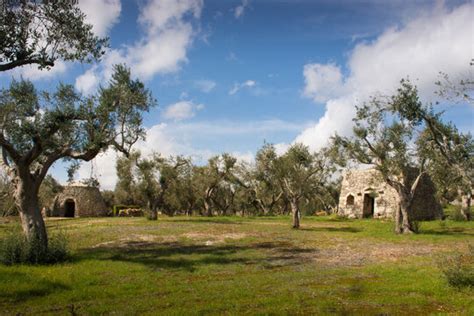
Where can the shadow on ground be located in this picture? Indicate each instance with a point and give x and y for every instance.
(221, 220)
(36, 287)
(333, 229)
(452, 231)
(175, 255)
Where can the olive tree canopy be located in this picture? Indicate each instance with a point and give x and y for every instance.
(41, 32)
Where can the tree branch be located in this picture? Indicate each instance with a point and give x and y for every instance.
(8, 147)
(18, 63)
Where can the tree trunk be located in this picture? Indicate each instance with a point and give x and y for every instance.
(153, 214)
(295, 211)
(398, 220)
(26, 199)
(406, 224)
(466, 206)
(207, 207)
(153, 210)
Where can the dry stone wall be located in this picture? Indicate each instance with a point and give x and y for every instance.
(365, 194)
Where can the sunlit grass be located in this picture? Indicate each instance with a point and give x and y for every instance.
(198, 265)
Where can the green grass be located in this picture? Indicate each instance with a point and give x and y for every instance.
(236, 265)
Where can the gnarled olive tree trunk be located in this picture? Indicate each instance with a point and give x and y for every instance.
(295, 212)
(26, 199)
(208, 201)
(466, 200)
(403, 215)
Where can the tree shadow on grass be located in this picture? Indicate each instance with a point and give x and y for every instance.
(25, 286)
(175, 255)
(205, 220)
(451, 231)
(333, 229)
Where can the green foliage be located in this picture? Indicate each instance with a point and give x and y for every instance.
(16, 249)
(458, 268)
(41, 32)
(125, 188)
(387, 135)
(109, 198)
(7, 202)
(456, 214)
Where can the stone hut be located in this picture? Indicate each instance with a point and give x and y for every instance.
(364, 194)
(79, 200)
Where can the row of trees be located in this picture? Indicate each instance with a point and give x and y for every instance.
(295, 181)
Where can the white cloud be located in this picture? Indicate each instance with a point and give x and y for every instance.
(245, 157)
(102, 14)
(205, 85)
(181, 110)
(87, 82)
(168, 32)
(435, 41)
(32, 72)
(322, 82)
(245, 84)
(240, 9)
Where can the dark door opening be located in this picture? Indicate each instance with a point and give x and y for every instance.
(69, 208)
(369, 204)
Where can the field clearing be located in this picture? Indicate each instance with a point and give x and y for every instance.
(233, 265)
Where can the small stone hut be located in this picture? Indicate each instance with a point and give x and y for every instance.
(364, 194)
(79, 200)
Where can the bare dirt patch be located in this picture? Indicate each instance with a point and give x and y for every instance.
(212, 239)
(125, 242)
(345, 253)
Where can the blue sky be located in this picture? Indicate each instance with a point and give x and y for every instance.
(229, 75)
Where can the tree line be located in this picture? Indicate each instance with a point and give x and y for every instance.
(298, 181)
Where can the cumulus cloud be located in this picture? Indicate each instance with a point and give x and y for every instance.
(322, 82)
(240, 9)
(168, 32)
(205, 85)
(245, 84)
(31, 72)
(102, 14)
(87, 82)
(181, 110)
(432, 42)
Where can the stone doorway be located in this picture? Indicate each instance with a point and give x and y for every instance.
(69, 208)
(369, 205)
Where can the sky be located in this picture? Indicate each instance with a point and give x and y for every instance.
(230, 75)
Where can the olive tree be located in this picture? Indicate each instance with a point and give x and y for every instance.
(264, 182)
(41, 32)
(302, 174)
(452, 156)
(38, 129)
(212, 179)
(387, 138)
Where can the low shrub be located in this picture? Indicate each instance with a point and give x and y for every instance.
(459, 268)
(456, 214)
(16, 249)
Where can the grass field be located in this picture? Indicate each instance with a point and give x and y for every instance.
(237, 265)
